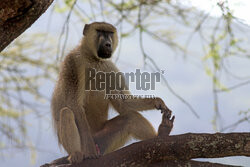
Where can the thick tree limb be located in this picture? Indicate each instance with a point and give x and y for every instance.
(187, 163)
(167, 163)
(172, 150)
(17, 16)
(178, 147)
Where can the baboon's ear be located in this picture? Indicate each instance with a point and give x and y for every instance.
(85, 29)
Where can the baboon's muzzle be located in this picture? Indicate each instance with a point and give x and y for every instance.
(105, 49)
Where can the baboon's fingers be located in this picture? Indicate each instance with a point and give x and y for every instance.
(92, 156)
(75, 157)
(166, 113)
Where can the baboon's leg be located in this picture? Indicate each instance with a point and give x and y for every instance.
(141, 127)
(69, 136)
(118, 130)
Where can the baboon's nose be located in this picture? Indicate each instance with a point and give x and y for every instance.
(108, 44)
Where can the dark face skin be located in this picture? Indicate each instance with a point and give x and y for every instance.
(104, 49)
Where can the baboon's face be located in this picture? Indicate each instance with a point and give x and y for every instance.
(101, 38)
(104, 43)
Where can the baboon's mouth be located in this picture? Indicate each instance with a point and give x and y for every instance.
(104, 55)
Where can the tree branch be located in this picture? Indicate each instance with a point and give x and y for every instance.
(187, 163)
(17, 16)
(176, 149)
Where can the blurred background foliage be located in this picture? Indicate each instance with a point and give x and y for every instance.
(23, 70)
(33, 58)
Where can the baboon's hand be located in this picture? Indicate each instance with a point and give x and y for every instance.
(160, 105)
(75, 157)
(78, 157)
(94, 156)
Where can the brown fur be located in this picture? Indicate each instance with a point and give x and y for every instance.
(81, 117)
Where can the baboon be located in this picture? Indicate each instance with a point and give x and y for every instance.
(81, 117)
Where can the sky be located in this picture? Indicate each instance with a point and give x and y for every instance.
(187, 79)
(240, 8)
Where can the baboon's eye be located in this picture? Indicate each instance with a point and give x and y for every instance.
(99, 31)
(104, 32)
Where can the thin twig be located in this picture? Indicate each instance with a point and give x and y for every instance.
(65, 26)
(234, 87)
(165, 81)
(234, 125)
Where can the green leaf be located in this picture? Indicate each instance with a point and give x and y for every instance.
(124, 35)
(61, 9)
(208, 72)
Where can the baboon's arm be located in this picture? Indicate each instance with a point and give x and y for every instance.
(139, 104)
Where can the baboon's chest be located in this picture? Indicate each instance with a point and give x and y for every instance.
(96, 100)
(96, 109)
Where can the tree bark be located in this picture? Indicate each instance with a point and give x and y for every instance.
(17, 16)
(187, 163)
